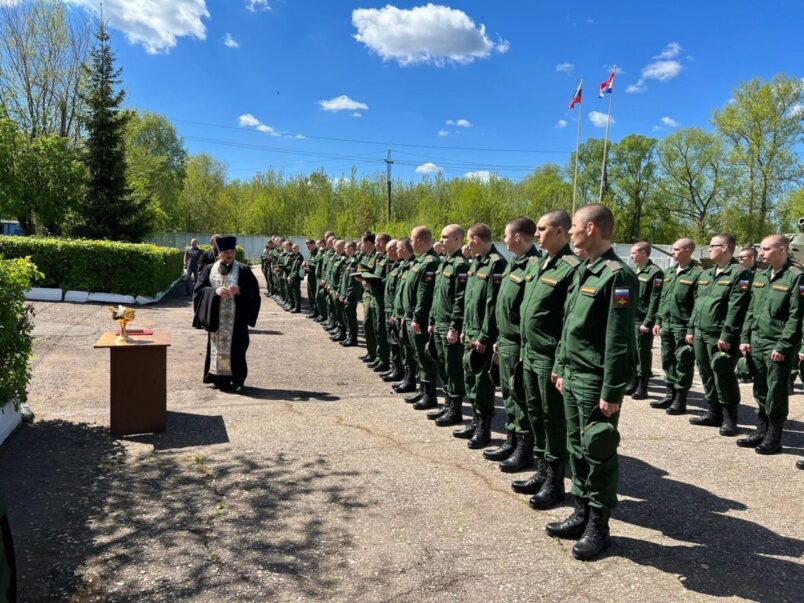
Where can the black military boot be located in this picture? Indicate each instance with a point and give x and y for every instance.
(503, 451)
(416, 394)
(408, 383)
(339, 335)
(467, 431)
(429, 396)
(482, 435)
(440, 411)
(395, 374)
(641, 392)
(522, 456)
(574, 525)
(712, 418)
(800, 464)
(772, 442)
(454, 414)
(755, 439)
(669, 396)
(381, 367)
(631, 386)
(552, 491)
(729, 426)
(534, 483)
(679, 405)
(351, 342)
(595, 537)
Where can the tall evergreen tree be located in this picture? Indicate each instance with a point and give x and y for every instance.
(110, 211)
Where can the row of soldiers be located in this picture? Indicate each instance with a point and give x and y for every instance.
(283, 268)
(565, 336)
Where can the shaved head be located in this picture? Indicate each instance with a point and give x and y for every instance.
(599, 215)
(421, 233)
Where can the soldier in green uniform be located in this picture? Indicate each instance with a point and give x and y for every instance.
(322, 296)
(308, 267)
(349, 293)
(516, 452)
(406, 261)
(417, 302)
(338, 331)
(542, 310)
(651, 279)
(396, 369)
(480, 332)
(672, 319)
(446, 324)
(724, 292)
(772, 335)
(376, 287)
(366, 263)
(596, 360)
(281, 273)
(265, 265)
(295, 275)
(747, 257)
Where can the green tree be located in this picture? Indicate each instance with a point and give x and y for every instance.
(590, 156)
(199, 200)
(633, 177)
(110, 210)
(763, 125)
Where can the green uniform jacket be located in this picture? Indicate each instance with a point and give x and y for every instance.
(403, 274)
(350, 288)
(450, 285)
(721, 302)
(335, 271)
(480, 298)
(294, 266)
(512, 290)
(418, 298)
(598, 336)
(542, 310)
(651, 280)
(380, 269)
(390, 269)
(776, 309)
(678, 295)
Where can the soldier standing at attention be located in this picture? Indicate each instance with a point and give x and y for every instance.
(295, 273)
(309, 270)
(516, 453)
(745, 364)
(349, 293)
(724, 292)
(446, 325)
(396, 370)
(675, 309)
(406, 260)
(772, 335)
(366, 260)
(595, 362)
(480, 332)
(376, 285)
(338, 332)
(651, 279)
(546, 285)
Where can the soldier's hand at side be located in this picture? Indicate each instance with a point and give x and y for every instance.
(495, 348)
(745, 348)
(416, 328)
(608, 409)
(688, 339)
(644, 330)
(480, 347)
(723, 346)
(452, 336)
(463, 339)
(430, 329)
(776, 356)
(559, 381)
(800, 357)
(657, 330)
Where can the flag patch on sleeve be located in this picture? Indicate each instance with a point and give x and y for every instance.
(801, 290)
(622, 297)
(658, 282)
(745, 285)
(462, 276)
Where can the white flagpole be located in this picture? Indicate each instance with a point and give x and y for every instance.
(577, 144)
(606, 142)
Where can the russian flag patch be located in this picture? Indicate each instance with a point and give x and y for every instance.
(745, 285)
(801, 290)
(658, 282)
(622, 297)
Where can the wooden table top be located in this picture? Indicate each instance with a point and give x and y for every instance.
(158, 339)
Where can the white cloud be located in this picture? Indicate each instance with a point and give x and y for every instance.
(481, 176)
(567, 68)
(461, 123)
(428, 168)
(443, 133)
(598, 119)
(618, 70)
(155, 25)
(797, 110)
(247, 120)
(590, 21)
(229, 41)
(257, 5)
(635, 88)
(669, 122)
(670, 51)
(657, 128)
(299, 137)
(342, 103)
(357, 114)
(561, 123)
(425, 34)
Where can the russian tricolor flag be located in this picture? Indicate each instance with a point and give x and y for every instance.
(576, 98)
(608, 86)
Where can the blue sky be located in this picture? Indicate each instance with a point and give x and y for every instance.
(461, 87)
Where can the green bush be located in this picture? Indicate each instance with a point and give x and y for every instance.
(97, 266)
(16, 327)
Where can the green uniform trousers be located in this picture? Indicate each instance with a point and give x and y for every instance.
(508, 352)
(450, 362)
(479, 388)
(406, 350)
(312, 287)
(381, 331)
(350, 318)
(676, 374)
(394, 347)
(718, 387)
(370, 324)
(770, 381)
(426, 369)
(294, 292)
(644, 351)
(321, 302)
(592, 479)
(544, 407)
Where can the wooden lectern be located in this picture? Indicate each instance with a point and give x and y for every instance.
(138, 383)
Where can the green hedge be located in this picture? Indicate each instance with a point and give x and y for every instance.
(16, 327)
(97, 266)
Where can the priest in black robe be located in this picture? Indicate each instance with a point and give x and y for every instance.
(226, 301)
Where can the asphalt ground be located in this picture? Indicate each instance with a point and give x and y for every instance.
(319, 484)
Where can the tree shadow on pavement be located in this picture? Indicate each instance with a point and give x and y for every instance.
(184, 430)
(717, 554)
(92, 525)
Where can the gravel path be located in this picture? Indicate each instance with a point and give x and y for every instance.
(320, 485)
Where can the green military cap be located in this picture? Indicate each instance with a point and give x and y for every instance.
(721, 363)
(494, 369)
(479, 362)
(430, 348)
(599, 438)
(685, 355)
(517, 382)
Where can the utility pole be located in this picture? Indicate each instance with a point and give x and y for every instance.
(388, 163)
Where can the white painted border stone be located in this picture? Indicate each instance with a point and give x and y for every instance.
(144, 300)
(10, 419)
(43, 294)
(111, 298)
(76, 297)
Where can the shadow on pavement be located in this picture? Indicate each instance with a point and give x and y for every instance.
(288, 395)
(717, 554)
(184, 430)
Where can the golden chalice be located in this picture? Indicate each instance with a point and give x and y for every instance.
(122, 316)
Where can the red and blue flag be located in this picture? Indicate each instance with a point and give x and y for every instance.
(576, 98)
(607, 87)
